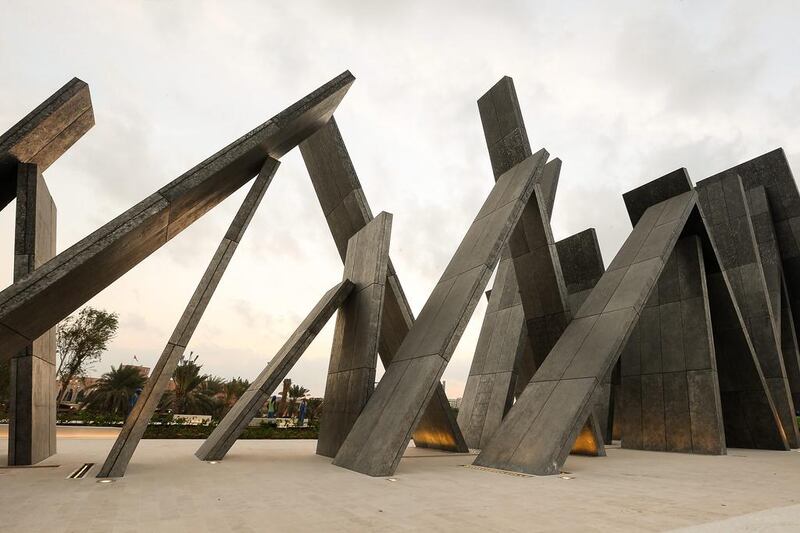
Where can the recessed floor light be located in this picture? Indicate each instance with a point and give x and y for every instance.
(212, 462)
(106, 480)
(391, 479)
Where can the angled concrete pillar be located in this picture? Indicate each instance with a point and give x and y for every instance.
(382, 432)
(346, 210)
(529, 309)
(32, 414)
(723, 200)
(490, 387)
(535, 258)
(135, 425)
(789, 345)
(225, 434)
(670, 387)
(45, 134)
(34, 304)
(582, 266)
(351, 373)
(777, 292)
(540, 429)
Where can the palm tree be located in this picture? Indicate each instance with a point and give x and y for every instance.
(190, 397)
(295, 393)
(314, 408)
(112, 392)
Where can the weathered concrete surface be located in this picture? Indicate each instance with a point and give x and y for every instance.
(772, 171)
(625, 491)
(670, 387)
(767, 243)
(135, 425)
(536, 266)
(490, 387)
(538, 432)
(225, 434)
(32, 411)
(351, 373)
(725, 206)
(346, 210)
(45, 134)
(382, 432)
(582, 265)
(36, 303)
(529, 310)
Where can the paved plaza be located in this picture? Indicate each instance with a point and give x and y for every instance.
(282, 485)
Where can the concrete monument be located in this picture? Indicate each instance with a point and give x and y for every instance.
(136, 423)
(380, 435)
(351, 373)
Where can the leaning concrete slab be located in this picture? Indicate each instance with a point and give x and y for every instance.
(724, 202)
(536, 266)
(346, 210)
(489, 392)
(225, 434)
(351, 373)
(529, 310)
(37, 302)
(670, 386)
(582, 265)
(32, 413)
(135, 425)
(539, 430)
(789, 344)
(769, 252)
(382, 432)
(45, 134)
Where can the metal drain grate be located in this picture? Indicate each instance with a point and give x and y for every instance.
(81, 472)
(497, 471)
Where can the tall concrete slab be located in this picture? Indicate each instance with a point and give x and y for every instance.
(34, 304)
(346, 211)
(535, 258)
(789, 345)
(135, 425)
(45, 134)
(529, 310)
(777, 292)
(351, 372)
(772, 171)
(489, 391)
(540, 429)
(582, 265)
(724, 202)
(32, 413)
(669, 373)
(382, 432)
(225, 434)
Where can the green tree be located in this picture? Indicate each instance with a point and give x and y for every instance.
(112, 392)
(81, 341)
(190, 397)
(295, 393)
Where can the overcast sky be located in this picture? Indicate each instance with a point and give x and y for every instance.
(622, 92)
